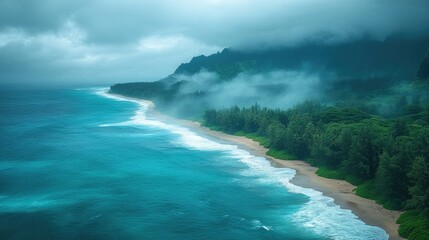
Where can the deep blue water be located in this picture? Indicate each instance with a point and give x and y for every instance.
(76, 164)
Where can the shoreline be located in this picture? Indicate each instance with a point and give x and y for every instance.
(341, 191)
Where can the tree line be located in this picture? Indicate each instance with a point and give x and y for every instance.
(388, 159)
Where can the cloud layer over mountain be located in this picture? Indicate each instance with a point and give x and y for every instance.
(103, 42)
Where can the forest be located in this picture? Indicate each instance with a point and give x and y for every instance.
(366, 121)
(387, 159)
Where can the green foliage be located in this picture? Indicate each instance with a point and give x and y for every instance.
(419, 176)
(145, 90)
(297, 136)
(385, 182)
(215, 128)
(399, 128)
(241, 133)
(413, 225)
(368, 189)
(344, 115)
(386, 159)
(280, 154)
(263, 141)
(276, 135)
(354, 180)
(330, 173)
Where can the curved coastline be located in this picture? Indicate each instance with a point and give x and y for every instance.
(341, 191)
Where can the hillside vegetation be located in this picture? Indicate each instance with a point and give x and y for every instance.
(387, 159)
(367, 74)
(367, 121)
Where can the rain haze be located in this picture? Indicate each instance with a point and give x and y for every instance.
(88, 43)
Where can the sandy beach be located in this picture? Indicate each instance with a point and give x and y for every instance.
(341, 191)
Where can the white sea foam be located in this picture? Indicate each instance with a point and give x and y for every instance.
(320, 214)
(256, 224)
(27, 204)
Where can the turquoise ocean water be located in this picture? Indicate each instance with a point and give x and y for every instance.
(80, 164)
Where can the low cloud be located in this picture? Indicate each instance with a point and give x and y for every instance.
(102, 42)
(280, 89)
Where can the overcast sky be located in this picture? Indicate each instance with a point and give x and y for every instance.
(86, 42)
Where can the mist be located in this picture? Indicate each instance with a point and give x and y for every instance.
(274, 89)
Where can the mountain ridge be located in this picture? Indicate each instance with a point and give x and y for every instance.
(394, 58)
(367, 74)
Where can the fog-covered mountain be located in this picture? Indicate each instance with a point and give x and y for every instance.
(348, 73)
(394, 58)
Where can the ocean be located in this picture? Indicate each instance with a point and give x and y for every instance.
(82, 164)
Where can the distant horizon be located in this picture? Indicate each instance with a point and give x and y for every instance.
(67, 43)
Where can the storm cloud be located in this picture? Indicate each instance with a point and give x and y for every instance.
(105, 42)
